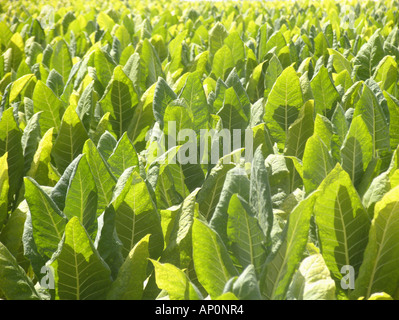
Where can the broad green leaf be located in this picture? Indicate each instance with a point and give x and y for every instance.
(144, 67)
(223, 63)
(211, 260)
(120, 99)
(312, 281)
(209, 194)
(298, 133)
(276, 41)
(48, 221)
(79, 271)
(132, 274)
(86, 106)
(283, 105)
(379, 271)
(30, 140)
(104, 179)
(343, 79)
(61, 59)
(123, 156)
(163, 95)
(278, 273)
(44, 99)
(260, 199)
(195, 97)
(216, 38)
(55, 82)
(236, 45)
(143, 117)
(81, 199)
(10, 142)
(374, 117)
(245, 286)
(340, 63)
(321, 45)
(385, 73)
(369, 55)
(247, 240)
(324, 92)
(317, 163)
(236, 181)
(106, 145)
(4, 186)
(167, 179)
(104, 66)
(70, 140)
(357, 150)
(273, 71)
(135, 214)
(342, 223)
(19, 85)
(393, 106)
(107, 243)
(176, 52)
(233, 80)
(12, 234)
(231, 113)
(105, 22)
(179, 289)
(14, 283)
(41, 169)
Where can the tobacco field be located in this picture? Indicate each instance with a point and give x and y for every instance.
(92, 205)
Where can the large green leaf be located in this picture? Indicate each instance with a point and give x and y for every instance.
(61, 59)
(247, 240)
(123, 156)
(132, 274)
(260, 199)
(30, 140)
(211, 260)
(298, 134)
(144, 67)
(104, 179)
(393, 105)
(283, 105)
(48, 222)
(278, 272)
(136, 214)
(163, 95)
(379, 270)
(179, 289)
(223, 63)
(120, 99)
(79, 271)
(70, 140)
(41, 168)
(342, 223)
(375, 119)
(81, 199)
(14, 283)
(357, 150)
(317, 163)
(4, 186)
(369, 55)
(44, 99)
(195, 97)
(324, 92)
(312, 281)
(216, 38)
(211, 189)
(10, 143)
